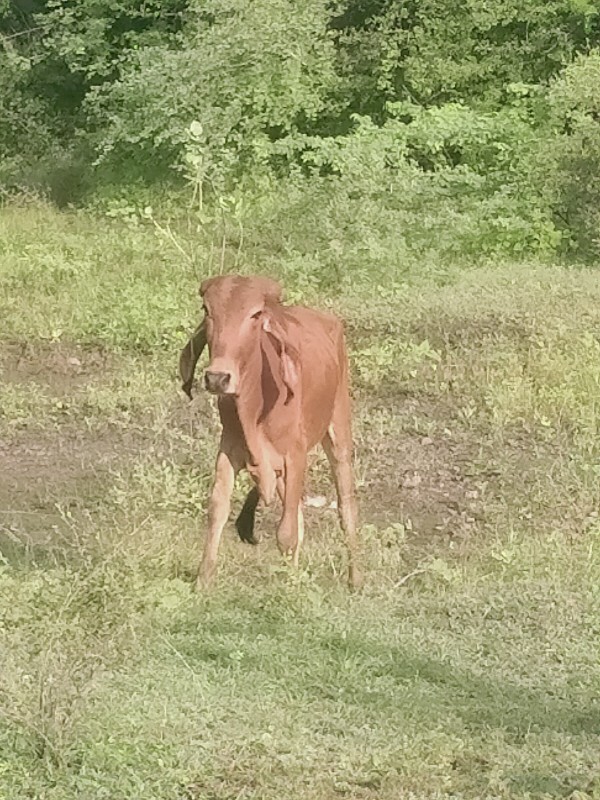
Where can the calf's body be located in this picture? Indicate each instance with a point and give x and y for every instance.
(281, 376)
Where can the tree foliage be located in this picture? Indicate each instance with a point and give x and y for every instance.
(439, 51)
(573, 180)
(480, 114)
(244, 71)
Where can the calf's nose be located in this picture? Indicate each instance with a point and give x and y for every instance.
(217, 382)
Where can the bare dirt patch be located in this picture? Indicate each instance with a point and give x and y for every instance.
(62, 469)
(48, 477)
(422, 476)
(449, 483)
(58, 367)
(443, 482)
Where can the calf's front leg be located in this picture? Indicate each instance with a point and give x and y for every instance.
(300, 536)
(219, 507)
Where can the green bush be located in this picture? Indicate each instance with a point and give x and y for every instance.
(24, 126)
(573, 154)
(440, 185)
(397, 131)
(243, 73)
(439, 51)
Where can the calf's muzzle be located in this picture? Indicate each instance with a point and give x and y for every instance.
(217, 382)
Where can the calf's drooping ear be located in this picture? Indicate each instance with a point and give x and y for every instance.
(189, 358)
(286, 354)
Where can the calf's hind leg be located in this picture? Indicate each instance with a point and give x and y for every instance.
(219, 507)
(337, 444)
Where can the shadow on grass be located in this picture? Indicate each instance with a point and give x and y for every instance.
(290, 649)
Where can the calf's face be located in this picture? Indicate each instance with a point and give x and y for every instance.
(235, 311)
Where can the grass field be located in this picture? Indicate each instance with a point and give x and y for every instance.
(468, 667)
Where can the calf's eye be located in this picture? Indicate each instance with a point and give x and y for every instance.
(257, 314)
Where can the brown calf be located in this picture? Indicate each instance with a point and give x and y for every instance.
(281, 377)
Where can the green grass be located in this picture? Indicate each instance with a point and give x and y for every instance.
(468, 667)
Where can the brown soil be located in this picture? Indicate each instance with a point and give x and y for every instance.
(58, 368)
(442, 487)
(46, 474)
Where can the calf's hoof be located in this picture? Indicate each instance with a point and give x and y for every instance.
(287, 542)
(205, 579)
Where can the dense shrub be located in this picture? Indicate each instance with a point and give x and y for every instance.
(441, 184)
(25, 126)
(438, 51)
(244, 71)
(573, 175)
(394, 129)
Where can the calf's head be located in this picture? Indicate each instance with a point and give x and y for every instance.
(242, 319)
